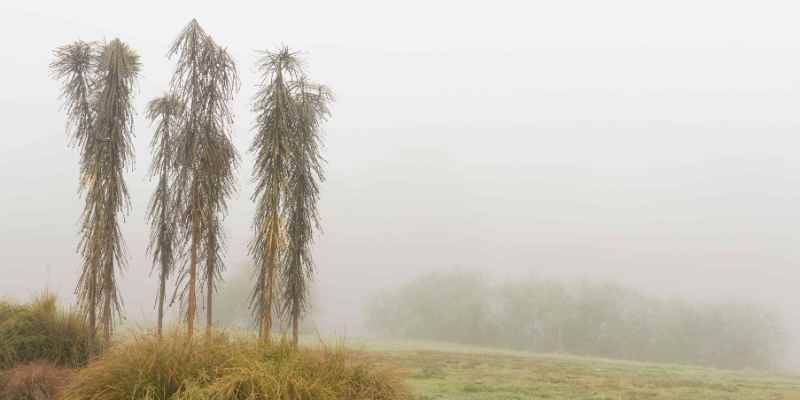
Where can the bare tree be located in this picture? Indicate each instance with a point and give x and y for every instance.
(165, 111)
(98, 82)
(205, 81)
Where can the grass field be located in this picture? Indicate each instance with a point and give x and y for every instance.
(444, 371)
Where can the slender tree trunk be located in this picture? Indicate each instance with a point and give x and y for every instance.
(209, 298)
(107, 317)
(211, 270)
(192, 295)
(162, 277)
(295, 327)
(161, 293)
(269, 283)
(267, 318)
(92, 318)
(263, 324)
(107, 322)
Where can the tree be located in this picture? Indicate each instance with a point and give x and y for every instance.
(274, 106)
(302, 195)
(287, 172)
(165, 111)
(98, 81)
(75, 66)
(205, 81)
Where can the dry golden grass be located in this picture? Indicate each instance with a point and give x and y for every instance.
(33, 381)
(229, 367)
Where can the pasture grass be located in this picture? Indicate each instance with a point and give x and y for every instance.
(444, 371)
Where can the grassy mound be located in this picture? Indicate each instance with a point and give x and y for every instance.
(225, 367)
(39, 331)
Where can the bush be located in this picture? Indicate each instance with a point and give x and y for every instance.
(33, 381)
(39, 331)
(226, 367)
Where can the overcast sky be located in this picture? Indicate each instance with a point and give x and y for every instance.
(652, 143)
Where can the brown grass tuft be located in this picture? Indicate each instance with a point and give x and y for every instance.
(224, 367)
(34, 381)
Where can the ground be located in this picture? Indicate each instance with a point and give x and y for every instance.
(445, 372)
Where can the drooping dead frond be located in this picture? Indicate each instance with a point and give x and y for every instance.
(75, 66)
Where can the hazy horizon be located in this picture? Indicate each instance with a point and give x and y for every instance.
(643, 143)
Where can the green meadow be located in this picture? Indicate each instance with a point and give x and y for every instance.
(450, 372)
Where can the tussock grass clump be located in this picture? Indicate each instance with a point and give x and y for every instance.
(225, 367)
(33, 381)
(39, 331)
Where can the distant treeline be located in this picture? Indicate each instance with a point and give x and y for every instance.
(585, 318)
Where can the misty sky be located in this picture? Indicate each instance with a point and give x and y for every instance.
(650, 143)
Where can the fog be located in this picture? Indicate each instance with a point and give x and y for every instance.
(652, 144)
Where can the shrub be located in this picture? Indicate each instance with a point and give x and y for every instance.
(40, 331)
(33, 381)
(226, 367)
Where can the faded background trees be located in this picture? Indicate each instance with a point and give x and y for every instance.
(579, 317)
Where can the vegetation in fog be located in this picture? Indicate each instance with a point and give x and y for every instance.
(225, 367)
(231, 305)
(302, 216)
(98, 82)
(39, 331)
(288, 170)
(164, 112)
(204, 82)
(439, 370)
(579, 318)
(271, 144)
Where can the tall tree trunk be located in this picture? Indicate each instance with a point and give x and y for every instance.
(108, 272)
(211, 270)
(163, 227)
(269, 282)
(263, 323)
(92, 317)
(107, 322)
(192, 295)
(209, 296)
(267, 318)
(161, 293)
(295, 327)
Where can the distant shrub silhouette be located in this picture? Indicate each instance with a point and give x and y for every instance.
(587, 318)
